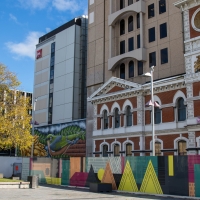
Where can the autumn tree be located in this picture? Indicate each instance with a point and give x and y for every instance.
(14, 112)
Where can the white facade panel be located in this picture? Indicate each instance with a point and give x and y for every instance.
(70, 35)
(68, 111)
(59, 83)
(78, 33)
(60, 55)
(61, 39)
(69, 66)
(59, 69)
(59, 98)
(70, 51)
(69, 80)
(68, 95)
(58, 113)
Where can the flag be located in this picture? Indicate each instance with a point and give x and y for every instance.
(149, 103)
(36, 123)
(198, 120)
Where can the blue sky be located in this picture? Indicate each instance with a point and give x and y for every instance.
(22, 23)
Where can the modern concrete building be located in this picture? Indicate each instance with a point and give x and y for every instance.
(126, 38)
(60, 73)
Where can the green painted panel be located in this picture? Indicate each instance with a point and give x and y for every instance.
(39, 173)
(197, 180)
(86, 165)
(65, 172)
(139, 166)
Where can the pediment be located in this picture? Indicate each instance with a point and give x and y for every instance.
(114, 85)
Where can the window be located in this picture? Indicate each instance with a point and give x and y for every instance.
(140, 67)
(182, 145)
(152, 59)
(116, 150)
(121, 4)
(122, 27)
(122, 71)
(52, 73)
(152, 35)
(52, 60)
(138, 20)
(117, 118)
(151, 11)
(105, 150)
(138, 41)
(163, 30)
(164, 55)
(130, 44)
(157, 115)
(128, 149)
(181, 110)
(53, 47)
(105, 119)
(162, 6)
(130, 24)
(131, 69)
(122, 47)
(158, 149)
(130, 2)
(128, 116)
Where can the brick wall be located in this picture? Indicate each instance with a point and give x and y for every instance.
(196, 89)
(147, 117)
(115, 89)
(134, 118)
(168, 114)
(98, 123)
(197, 108)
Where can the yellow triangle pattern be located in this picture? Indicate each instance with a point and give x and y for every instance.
(128, 182)
(150, 183)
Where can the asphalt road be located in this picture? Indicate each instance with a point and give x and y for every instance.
(64, 193)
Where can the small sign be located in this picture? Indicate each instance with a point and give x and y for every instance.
(198, 120)
(39, 54)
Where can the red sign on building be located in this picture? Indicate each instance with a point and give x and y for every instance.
(39, 54)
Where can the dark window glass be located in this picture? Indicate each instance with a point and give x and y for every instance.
(128, 149)
(138, 41)
(163, 30)
(116, 150)
(117, 118)
(182, 145)
(105, 150)
(53, 47)
(128, 116)
(181, 110)
(157, 115)
(152, 35)
(152, 59)
(122, 27)
(151, 11)
(130, 24)
(122, 47)
(130, 2)
(105, 119)
(158, 149)
(52, 73)
(122, 71)
(131, 69)
(130, 44)
(140, 67)
(138, 20)
(121, 4)
(52, 60)
(164, 55)
(162, 6)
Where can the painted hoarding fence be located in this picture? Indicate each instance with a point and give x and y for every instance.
(174, 175)
(59, 140)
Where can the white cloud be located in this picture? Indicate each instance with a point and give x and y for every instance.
(12, 17)
(25, 48)
(48, 29)
(63, 5)
(34, 4)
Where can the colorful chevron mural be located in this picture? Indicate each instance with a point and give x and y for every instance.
(174, 175)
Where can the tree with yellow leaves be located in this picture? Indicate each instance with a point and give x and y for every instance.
(14, 113)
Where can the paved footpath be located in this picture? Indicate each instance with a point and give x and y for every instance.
(65, 193)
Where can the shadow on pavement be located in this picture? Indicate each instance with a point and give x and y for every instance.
(144, 196)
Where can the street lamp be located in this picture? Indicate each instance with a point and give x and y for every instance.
(151, 103)
(33, 123)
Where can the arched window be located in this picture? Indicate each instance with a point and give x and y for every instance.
(122, 71)
(116, 150)
(181, 110)
(128, 116)
(130, 24)
(131, 69)
(182, 145)
(157, 115)
(117, 118)
(158, 149)
(121, 4)
(105, 150)
(128, 149)
(105, 119)
(122, 27)
(130, 2)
